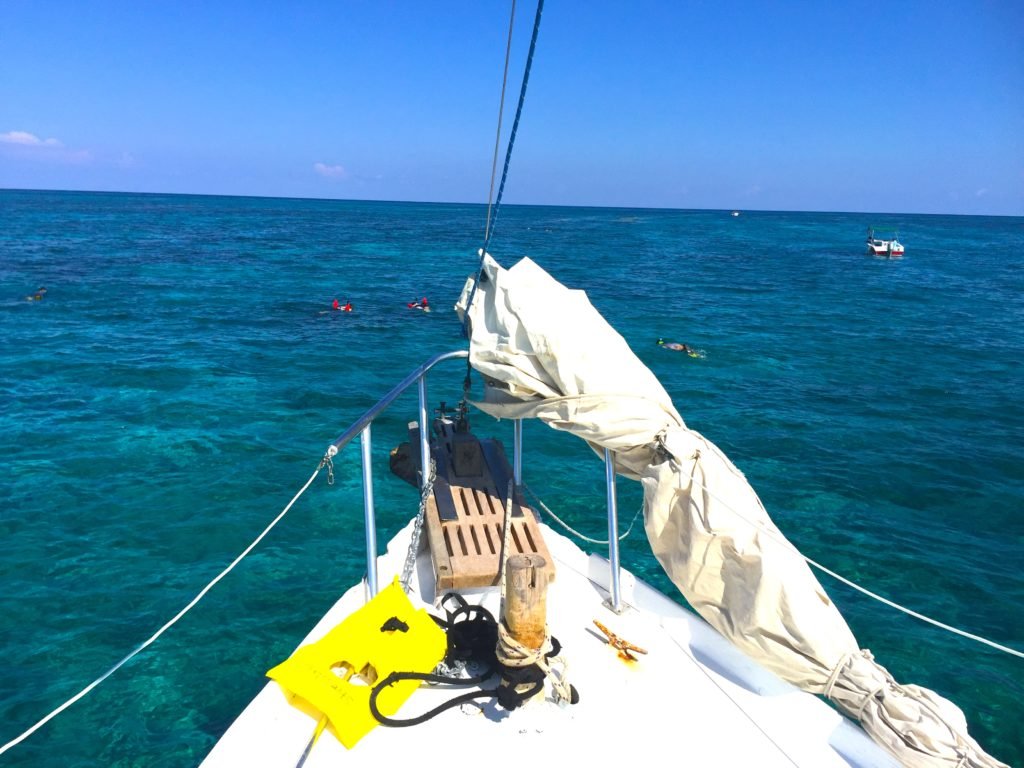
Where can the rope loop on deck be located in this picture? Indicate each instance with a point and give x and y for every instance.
(546, 659)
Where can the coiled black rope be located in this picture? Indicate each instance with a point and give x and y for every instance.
(472, 637)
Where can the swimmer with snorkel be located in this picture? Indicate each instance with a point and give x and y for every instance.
(673, 345)
(677, 347)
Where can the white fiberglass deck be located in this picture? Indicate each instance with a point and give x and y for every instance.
(692, 700)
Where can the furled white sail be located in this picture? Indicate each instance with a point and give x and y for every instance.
(545, 352)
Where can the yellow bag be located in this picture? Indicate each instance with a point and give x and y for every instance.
(335, 675)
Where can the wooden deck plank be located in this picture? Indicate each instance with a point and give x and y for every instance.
(466, 550)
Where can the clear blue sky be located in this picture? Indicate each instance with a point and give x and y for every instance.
(910, 106)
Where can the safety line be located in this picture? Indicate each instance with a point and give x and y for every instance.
(573, 531)
(788, 546)
(165, 627)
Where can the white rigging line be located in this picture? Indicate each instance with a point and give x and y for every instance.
(915, 614)
(165, 627)
(573, 531)
(501, 111)
(788, 546)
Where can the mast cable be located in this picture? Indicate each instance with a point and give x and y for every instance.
(493, 217)
(501, 111)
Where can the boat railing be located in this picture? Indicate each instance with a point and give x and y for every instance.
(361, 427)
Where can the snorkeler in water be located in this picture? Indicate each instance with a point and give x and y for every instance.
(38, 295)
(673, 345)
(678, 347)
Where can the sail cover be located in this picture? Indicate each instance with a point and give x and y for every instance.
(545, 352)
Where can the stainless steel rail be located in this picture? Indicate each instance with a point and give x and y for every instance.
(413, 378)
(361, 427)
(615, 600)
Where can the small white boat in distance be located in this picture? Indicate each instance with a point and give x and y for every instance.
(735, 213)
(880, 245)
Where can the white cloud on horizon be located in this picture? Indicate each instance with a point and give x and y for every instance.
(330, 171)
(22, 145)
(26, 139)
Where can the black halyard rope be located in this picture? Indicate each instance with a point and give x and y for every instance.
(515, 124)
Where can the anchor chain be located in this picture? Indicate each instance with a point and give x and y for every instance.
(417, 529)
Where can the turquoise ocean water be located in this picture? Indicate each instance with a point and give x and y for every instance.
(181, 379)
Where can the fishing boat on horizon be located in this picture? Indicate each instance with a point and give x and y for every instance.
(884, 243)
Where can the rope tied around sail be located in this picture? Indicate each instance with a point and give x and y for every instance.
(834, 675)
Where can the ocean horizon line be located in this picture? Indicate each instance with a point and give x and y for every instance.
(661, 209)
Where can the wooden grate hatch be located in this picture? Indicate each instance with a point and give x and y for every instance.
(465, 515)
